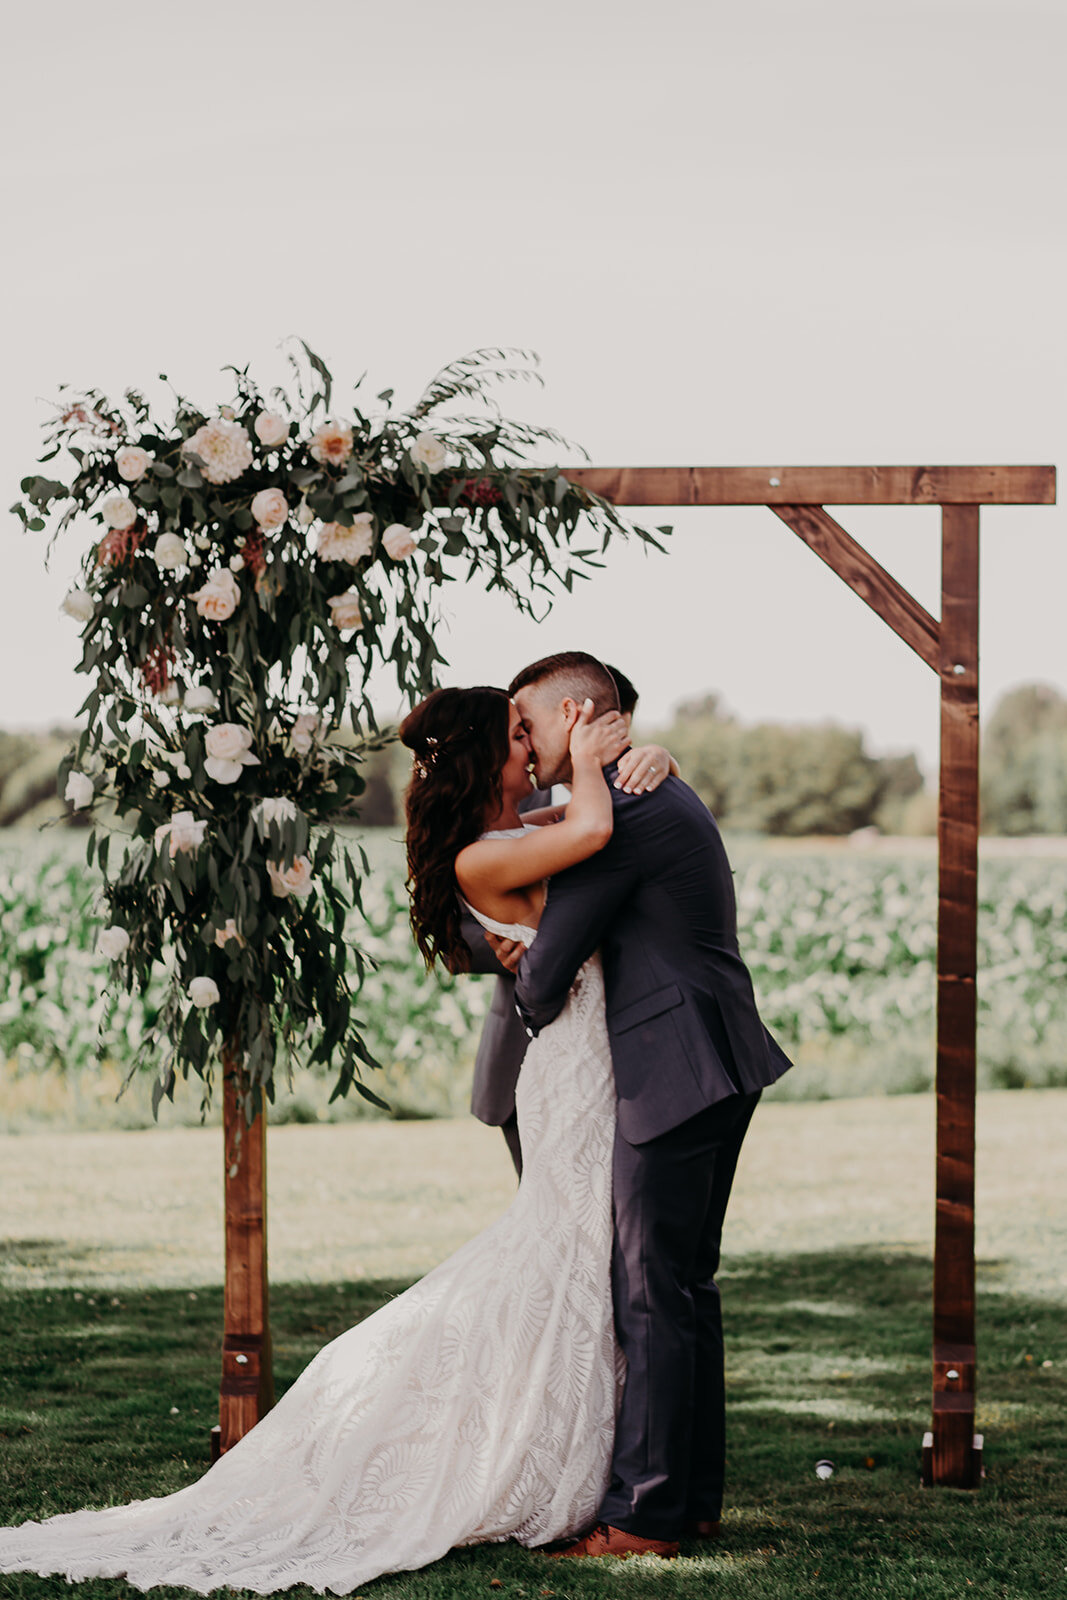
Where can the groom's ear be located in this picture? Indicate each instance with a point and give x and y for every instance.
(569, 709)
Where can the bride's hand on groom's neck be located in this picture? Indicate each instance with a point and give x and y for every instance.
(598, 740)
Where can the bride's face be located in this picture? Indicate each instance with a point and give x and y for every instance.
(515, 778)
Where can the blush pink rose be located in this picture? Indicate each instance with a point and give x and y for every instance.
(218, 598)
(132, 463)
(271, 430)
(294, 880)
(398, 541)
(270, 508)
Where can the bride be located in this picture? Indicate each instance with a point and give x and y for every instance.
(480, 1404)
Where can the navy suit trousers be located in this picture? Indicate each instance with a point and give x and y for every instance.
(670, 1440)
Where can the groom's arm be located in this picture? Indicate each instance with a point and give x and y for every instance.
(483, 958)
(580, 905)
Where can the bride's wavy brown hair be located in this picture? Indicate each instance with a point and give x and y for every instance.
(459, 739)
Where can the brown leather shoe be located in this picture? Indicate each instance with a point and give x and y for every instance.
(702, 1530)
(604, 1540)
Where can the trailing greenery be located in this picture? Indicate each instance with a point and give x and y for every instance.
(255, 567)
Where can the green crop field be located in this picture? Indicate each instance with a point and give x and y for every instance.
(840, 941)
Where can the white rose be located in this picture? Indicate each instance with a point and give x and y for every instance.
(202, 541)
(79, 790)
(340, 543)
(224, 934)
(113, 942)
(119, 512)
(132, 463)
(220, 771)
(398, 541)
(200, 698)
(344, 610)
(218, 598)
(332, 443)
(278, 809)
(170, 551)
(295, 880)
(160, 777)
(305, 731)
(271, 429)
(228, 752)
(230, 741)
(428, 452)
(183, 831)
(270, 508)
(169, 696)
(304, 514)
(236, 563)
(79, 604)
(204, 992)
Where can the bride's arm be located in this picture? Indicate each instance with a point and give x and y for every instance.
(642, 769)
(498, 865)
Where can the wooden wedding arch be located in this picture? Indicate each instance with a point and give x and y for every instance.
(952, 1453)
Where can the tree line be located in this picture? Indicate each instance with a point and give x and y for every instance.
(770, 778)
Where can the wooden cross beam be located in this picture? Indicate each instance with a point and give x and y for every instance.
(820, 486)
(952, 1451)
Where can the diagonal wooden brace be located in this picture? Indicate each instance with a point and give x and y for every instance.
(867, 577)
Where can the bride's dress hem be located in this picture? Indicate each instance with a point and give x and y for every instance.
(477, 1407)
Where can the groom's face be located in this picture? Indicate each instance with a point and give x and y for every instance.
(548, 721)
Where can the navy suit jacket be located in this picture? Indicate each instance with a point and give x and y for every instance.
(658, 903)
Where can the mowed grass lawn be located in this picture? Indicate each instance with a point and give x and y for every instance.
(110, 1314)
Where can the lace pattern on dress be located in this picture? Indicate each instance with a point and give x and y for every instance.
(479, 1405)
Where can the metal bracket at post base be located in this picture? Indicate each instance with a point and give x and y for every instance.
(240, 1398)
(974, 1470)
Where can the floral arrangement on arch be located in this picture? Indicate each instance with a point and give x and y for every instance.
(250, 570)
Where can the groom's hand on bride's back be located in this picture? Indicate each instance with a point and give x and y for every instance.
(507, 951)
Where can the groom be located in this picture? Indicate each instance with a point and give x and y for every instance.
(690, 1057)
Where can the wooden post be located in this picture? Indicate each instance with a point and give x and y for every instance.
(952, 1455)
(247, 1389)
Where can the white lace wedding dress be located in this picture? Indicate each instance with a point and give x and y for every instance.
(479, 1405)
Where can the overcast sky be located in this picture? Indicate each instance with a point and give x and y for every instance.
(736, 234)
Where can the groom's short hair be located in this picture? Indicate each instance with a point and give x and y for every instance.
(573, 673)
(628, 695)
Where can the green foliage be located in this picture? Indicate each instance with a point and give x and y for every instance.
(1024, 763)
(786, 781)
(225, 645)
(827, 1357)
